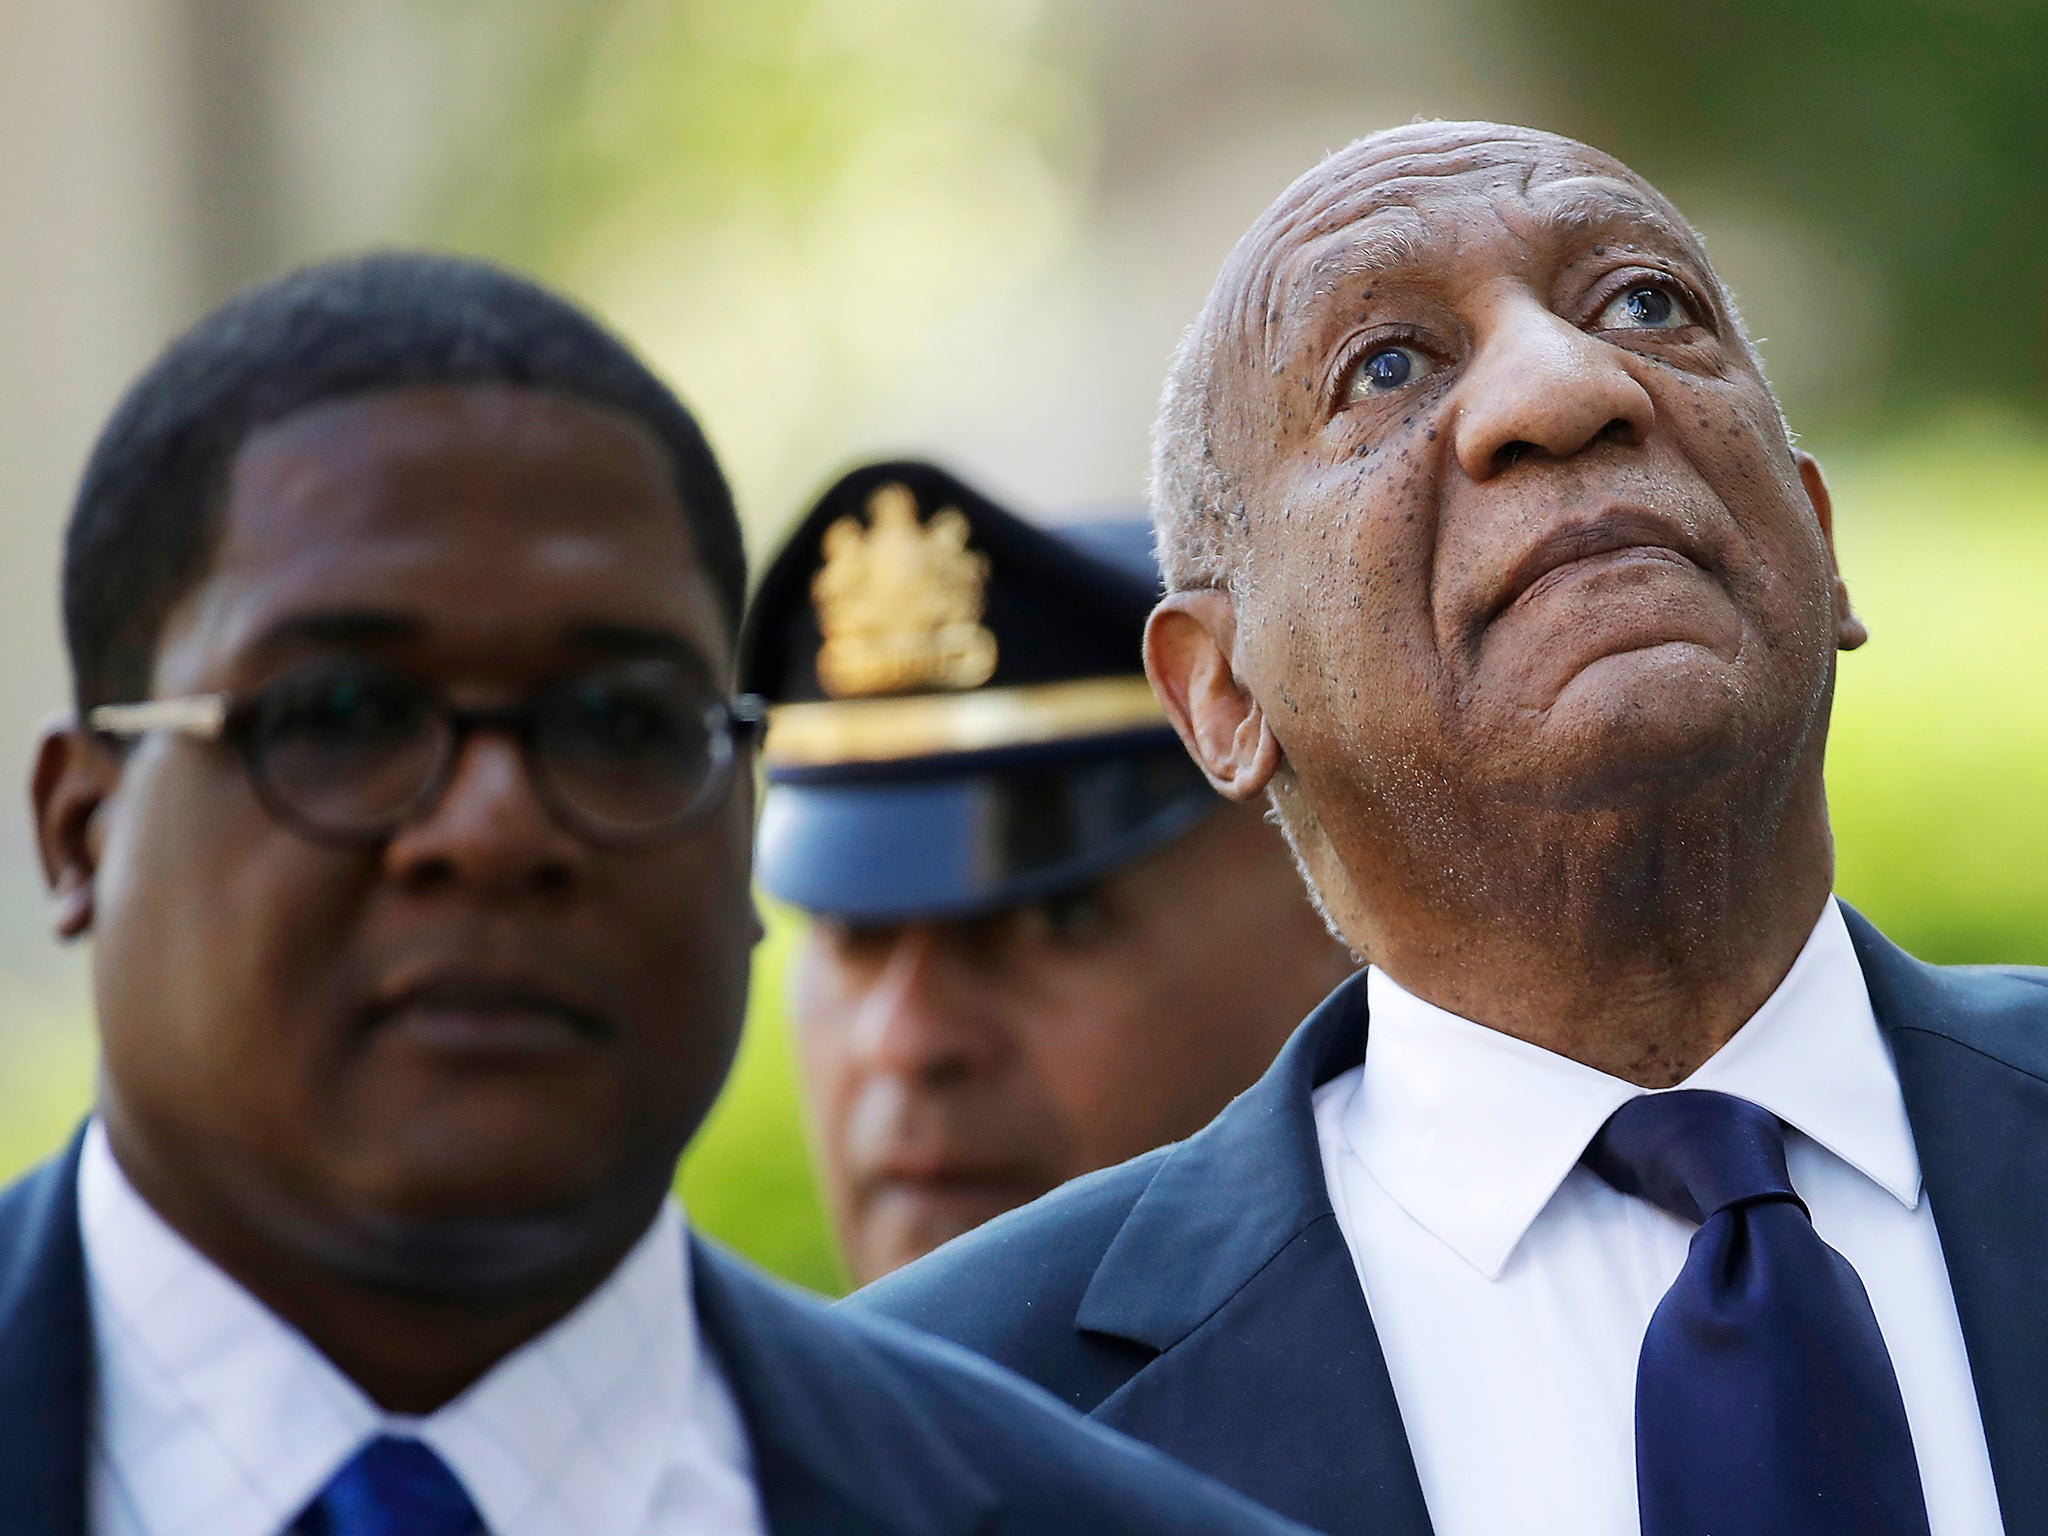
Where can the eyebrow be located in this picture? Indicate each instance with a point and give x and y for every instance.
(1384, 241)
(351, 627)
(1392, 238)
(340, 626)
(1396, 238)
(1589, 207)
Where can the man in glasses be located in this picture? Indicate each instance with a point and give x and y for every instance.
(407, 804)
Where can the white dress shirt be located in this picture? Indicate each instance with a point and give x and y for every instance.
(212, 1417)
(1511, 1288)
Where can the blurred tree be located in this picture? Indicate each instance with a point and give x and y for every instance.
(694, 112)
(782, 201)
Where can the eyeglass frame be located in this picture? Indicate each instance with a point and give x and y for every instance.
(221, 717)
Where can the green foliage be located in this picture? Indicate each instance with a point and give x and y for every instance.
(46, 1070)
(1938, 762)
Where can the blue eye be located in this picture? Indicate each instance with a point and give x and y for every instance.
(1387, 369)
(1643, 308)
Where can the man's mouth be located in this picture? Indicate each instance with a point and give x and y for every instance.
(1623, 537)
(488, 1015)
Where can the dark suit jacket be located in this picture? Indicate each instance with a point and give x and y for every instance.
(857, 1427)
(1202, 1298)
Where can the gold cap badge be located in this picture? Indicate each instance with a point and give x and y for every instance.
(899, 602)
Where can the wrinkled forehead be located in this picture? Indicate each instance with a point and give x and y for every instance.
(1414, 200)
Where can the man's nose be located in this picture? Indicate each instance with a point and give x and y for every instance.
(1540, 385)
(490, 831)
(923, 1019)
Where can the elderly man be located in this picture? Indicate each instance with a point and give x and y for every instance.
(409, 805)
(1024, 899)
(1493, 567)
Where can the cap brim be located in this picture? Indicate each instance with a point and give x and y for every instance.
(958, 846)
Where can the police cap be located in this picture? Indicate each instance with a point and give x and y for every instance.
(958, 714)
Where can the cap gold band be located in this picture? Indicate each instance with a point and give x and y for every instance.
(885, 730)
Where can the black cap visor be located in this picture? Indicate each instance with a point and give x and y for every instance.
(870, 851)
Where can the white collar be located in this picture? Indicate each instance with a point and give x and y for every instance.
(1471, 1131)
(216, 1415)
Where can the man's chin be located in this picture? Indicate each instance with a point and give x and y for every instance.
(1644, 725)
(1632, 673)
(477, 1258)
(473, 1229)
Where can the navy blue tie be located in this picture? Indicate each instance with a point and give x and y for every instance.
(1765, 1399)
(391, 1487)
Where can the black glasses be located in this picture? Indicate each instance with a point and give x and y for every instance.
(350, 751)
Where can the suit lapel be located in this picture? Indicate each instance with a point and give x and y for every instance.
(1284, 1395)
(1972, 1054)
(1232, 1266)
(45, 1354)
(838, 1451)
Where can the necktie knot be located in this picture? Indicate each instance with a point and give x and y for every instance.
(391, 1487)
(1765, 1397)
(1693, 1152)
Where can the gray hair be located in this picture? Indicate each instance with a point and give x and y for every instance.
(1195, 509)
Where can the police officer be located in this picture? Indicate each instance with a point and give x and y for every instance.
(1023, 895)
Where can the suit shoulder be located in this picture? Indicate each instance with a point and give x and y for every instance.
(1998, 1010)
(1010, 1290)
(34, 1210)
(885, 1411)
(1053, 1468)
(2024, 983)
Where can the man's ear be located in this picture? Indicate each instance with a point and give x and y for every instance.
(1189, 641)
(1850, 631)
(74, 774)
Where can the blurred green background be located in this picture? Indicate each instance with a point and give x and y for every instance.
(973, 229)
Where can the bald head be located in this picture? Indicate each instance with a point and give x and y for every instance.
(1384, 207)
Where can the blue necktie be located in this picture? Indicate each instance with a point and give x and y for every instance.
(391, 1487)
(1765, 1399)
